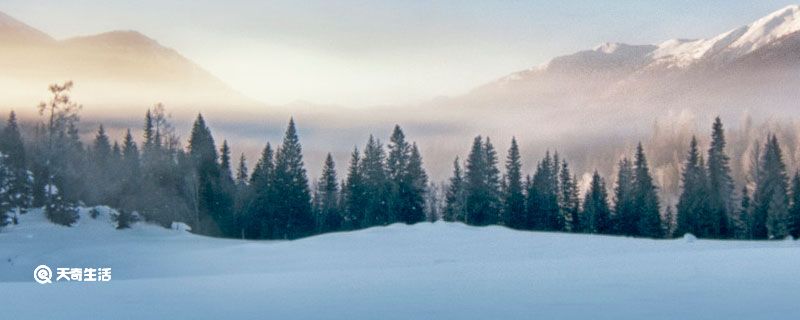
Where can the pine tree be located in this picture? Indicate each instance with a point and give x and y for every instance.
(376, 184)
(626, 219)
(770, 212)
(203, 155)
(242, 197)
(744, 221)
(513, 196)
(794, 209)
(494, 204)
(226, 193)
(293, 196)
(569, 204)
(18, 188)
(542, 197)
(417, 181)
(645, 198)
(479, 194)
(455, 196)
(407, 180)
(694, 215)
(330, 217)
(354, 195)
(596, 215)
(259, 220)
(720, 183)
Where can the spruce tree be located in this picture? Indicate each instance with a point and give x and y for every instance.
(494, 204)
(625, 219)
(407, 180)
(479, 194)
(354, 194)
(542, 201)
(744, 221)
(416, 181)
(794, 209)
(376, 184)
(720, 183)
(330, 217)
(770, 212)
(694, 215)
(455, 196)
(513, 196)
(293, 196)
(203, 154)
(18, 188)
(645, 199)
(259, 220)
(569, 204)
(596, 214)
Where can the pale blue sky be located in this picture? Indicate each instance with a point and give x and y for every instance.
(360, 53)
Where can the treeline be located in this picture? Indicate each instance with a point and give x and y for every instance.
(160, 181)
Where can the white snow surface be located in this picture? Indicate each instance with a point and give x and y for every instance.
(424, 271)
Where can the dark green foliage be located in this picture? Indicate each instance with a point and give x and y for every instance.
(455, 196)
(694, 215)
(125, 219)
(596, 214)
(59, 210)
(513, 195)
(481, 185)
(645, 200)
(770, 201)
(376, 185)
(720, 183)
(407, 180)
(292, 202)
(355, 204)
(569, 204)
(16, 190)
(794, 209)
(328, 211)
(625, 218)
(542, 201)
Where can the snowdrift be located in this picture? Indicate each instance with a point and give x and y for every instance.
(424, 271)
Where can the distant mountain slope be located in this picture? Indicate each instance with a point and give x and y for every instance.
(752, 67)
(116, 71)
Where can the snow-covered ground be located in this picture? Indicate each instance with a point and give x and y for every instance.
(440, 270)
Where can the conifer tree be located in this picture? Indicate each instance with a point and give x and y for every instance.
(596, 214)
(455, 196)
(329, 218)
(542, 197)
(242, 196)
(259, 218)
(354, 194)
(744, 221)
(203, 154)
(479, 194)
(569, 204)
(293, 196)
(407, 180)
(720, 183)
(18, 187)
(694, 215)
(494, 204)
(794, 209)
(513, 196)
(770, 212)
(645, 198)
(626, 219)
(376, 184)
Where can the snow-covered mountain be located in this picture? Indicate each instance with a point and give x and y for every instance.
(113, 71)
(753, 67)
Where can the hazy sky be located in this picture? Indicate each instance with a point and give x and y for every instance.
(361, 53)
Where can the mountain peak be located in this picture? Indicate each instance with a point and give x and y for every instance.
(118, 38)
(14, 30)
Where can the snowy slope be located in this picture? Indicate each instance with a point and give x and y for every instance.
(424, 271)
